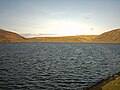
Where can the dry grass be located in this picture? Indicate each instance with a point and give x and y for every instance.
(108, 37)
(111, 83)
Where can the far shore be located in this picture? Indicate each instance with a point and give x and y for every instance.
(112, 36)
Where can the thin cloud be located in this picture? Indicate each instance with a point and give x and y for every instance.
(28, 35)
(86, 15)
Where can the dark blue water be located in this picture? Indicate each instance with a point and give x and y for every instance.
(56, 66)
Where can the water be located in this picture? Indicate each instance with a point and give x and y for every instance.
(56, 66)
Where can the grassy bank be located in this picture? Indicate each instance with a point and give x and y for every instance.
(111, 83)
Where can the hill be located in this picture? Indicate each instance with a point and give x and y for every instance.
(110, 83)
(108, 37)
(7, 36)
(82, 38)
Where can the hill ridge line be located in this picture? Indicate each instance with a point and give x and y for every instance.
(112, 36)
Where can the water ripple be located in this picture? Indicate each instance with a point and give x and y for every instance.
(56, 66)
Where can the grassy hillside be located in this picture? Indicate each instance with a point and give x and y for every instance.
(7, 36)
(82, 38)
(107, 37)
(111, 83)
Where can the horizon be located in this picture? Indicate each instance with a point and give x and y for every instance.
(50, 35)
(59, 18)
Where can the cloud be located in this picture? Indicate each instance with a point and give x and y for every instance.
(87, 15)
(46, 34)
(28, 35)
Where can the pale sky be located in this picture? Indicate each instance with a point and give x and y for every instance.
(59, 17)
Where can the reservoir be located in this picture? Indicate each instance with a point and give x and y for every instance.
(56, 66)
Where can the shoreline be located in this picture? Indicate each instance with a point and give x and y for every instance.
(111, 83)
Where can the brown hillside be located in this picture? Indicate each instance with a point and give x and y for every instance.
(7, 36)
(108, 37)
(82, 38)
(110, 83)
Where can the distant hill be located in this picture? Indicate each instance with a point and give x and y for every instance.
(7, 36)
(107, 37)
(82, 38)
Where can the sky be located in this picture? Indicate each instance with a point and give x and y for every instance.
(59, 17)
